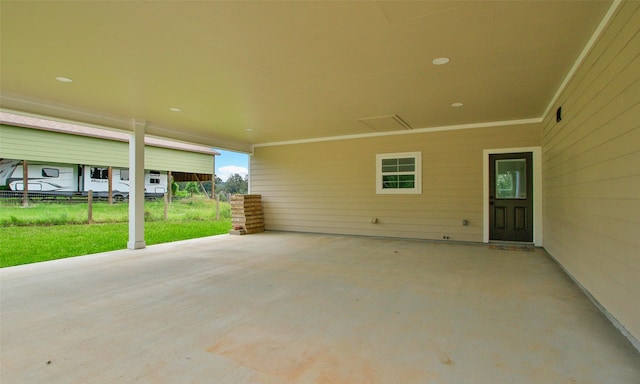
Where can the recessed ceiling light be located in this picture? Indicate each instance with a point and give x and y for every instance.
(441, 61)
(457, 105)
(174, 109)
(64, 79)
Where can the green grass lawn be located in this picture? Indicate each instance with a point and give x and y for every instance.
(42, 232)
(31, 244)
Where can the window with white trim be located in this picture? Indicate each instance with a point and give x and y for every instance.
(399, 173)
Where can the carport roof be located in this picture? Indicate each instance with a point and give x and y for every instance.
(246, 73)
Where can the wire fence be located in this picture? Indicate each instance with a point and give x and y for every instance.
(17, 198)
(49, 209)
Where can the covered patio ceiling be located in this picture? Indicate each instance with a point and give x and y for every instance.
(245, 73)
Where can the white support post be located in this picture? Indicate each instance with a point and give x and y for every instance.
(136, 186)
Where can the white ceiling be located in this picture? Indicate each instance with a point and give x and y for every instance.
(246, 73)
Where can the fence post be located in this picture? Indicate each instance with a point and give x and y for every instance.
(170, 186)
(110, 182)
(25, 183)
(166, 205)
(217, 207)
(90, 207)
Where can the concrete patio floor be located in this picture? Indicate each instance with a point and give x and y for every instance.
(303, 308)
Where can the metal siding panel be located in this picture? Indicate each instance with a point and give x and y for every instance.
(178, 161)
(39, 145)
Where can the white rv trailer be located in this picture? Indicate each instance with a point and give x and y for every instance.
(58, 179)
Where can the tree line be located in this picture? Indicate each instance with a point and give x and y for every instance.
(235, 184)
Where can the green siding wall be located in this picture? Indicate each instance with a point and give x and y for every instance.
(177, 161)
(38, 145)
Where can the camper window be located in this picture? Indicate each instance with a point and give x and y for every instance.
(100, 173)
(50, 172)
(154, 180)
(124, 174)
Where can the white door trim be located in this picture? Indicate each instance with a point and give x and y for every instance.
(537, 190)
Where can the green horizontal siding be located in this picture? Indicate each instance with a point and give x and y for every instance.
(177, 161)
(37, 145)
(46, 146)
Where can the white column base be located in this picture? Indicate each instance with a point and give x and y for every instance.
(136, 244)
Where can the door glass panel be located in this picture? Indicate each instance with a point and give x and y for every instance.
(511, 180)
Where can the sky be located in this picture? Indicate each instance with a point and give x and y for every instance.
(229, 163)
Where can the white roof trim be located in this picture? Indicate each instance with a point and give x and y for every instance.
(587, 48)
(408, 132)
(90, 131)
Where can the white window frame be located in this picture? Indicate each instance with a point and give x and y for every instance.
(416, 190)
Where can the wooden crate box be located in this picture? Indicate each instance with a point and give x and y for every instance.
(246, 214)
